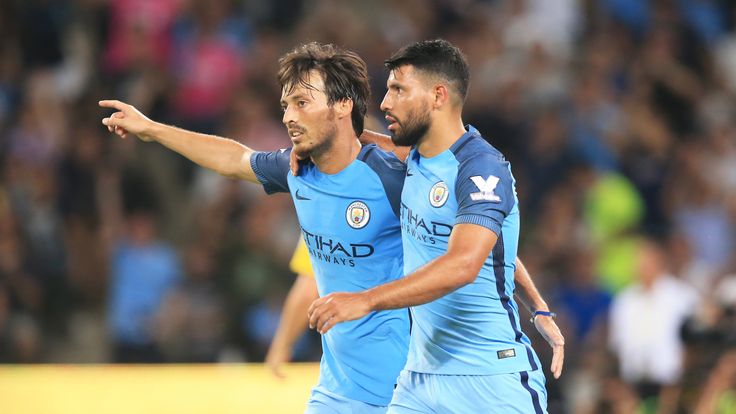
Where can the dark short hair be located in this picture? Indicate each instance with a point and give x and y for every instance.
(435, 57)
(344, 72)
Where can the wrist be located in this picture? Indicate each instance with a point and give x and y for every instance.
(369, 299)
(151, 131)
(540, 306)
(543, 313)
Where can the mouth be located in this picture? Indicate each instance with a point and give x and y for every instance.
(295, 135)
(393, 123)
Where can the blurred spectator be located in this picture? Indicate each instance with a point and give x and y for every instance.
(41, 24)
(208, 62)
(646, 321)
(79, 176)
(139, 34)
(191, 324)
(699, 211)
(613, 208)
(144, 271)
(582, 302)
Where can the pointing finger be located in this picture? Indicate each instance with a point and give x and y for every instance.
(112, 104)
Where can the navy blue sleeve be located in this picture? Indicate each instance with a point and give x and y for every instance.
(272, 170)
(390, 170)
(485, 191)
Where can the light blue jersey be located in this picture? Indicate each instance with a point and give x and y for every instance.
(474, 330)
(350, 224)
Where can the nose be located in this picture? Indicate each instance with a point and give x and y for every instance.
(386, 103)
(289, 116)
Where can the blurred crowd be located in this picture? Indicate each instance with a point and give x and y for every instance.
(618, 117)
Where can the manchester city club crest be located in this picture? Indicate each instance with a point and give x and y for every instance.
(438, 194)
(357, 214)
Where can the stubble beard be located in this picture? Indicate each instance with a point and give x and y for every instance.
(413, 129)
(328, 134)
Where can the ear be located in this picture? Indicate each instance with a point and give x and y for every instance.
(441, 96)
(344, 107)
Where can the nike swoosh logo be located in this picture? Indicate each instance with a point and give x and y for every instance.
(408, 173)
(301, 197)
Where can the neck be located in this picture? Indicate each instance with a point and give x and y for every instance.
(344, 150)
(441, 135)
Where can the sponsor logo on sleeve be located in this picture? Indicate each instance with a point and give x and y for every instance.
(487, 189)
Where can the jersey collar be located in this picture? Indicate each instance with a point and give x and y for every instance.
(470, 132)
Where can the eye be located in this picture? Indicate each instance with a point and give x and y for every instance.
(301, 103)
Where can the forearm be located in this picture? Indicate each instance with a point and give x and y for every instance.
(432, 281)
(528, 293)
(384, 142)
(224, 156)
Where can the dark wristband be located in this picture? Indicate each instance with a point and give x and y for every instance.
(542, 313)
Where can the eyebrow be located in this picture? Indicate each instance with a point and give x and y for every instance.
(297, 96)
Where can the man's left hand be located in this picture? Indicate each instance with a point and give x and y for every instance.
(551, 333)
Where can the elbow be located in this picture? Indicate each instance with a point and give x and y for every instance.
(467, 272)
(228, 173)
(235, 164)
(466, 278)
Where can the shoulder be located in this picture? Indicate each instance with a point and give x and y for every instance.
(380, 161)
(473, 150)
(279, 152)
(389, 170)
(480, 163)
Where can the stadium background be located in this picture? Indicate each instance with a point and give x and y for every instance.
(617, 117)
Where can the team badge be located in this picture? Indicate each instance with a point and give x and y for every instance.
(438, 194)
(358, 215)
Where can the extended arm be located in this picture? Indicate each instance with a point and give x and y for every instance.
(293, 322)
(469, 246)
(222, 155)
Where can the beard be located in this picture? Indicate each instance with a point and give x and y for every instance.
(324, 141)
(413, 129)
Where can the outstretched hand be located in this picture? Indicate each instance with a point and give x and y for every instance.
(327, 311)
(127, 120)
(552, 334)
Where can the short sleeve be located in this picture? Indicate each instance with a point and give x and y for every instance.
(485, 191)
(390, 170)
(272, 170)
